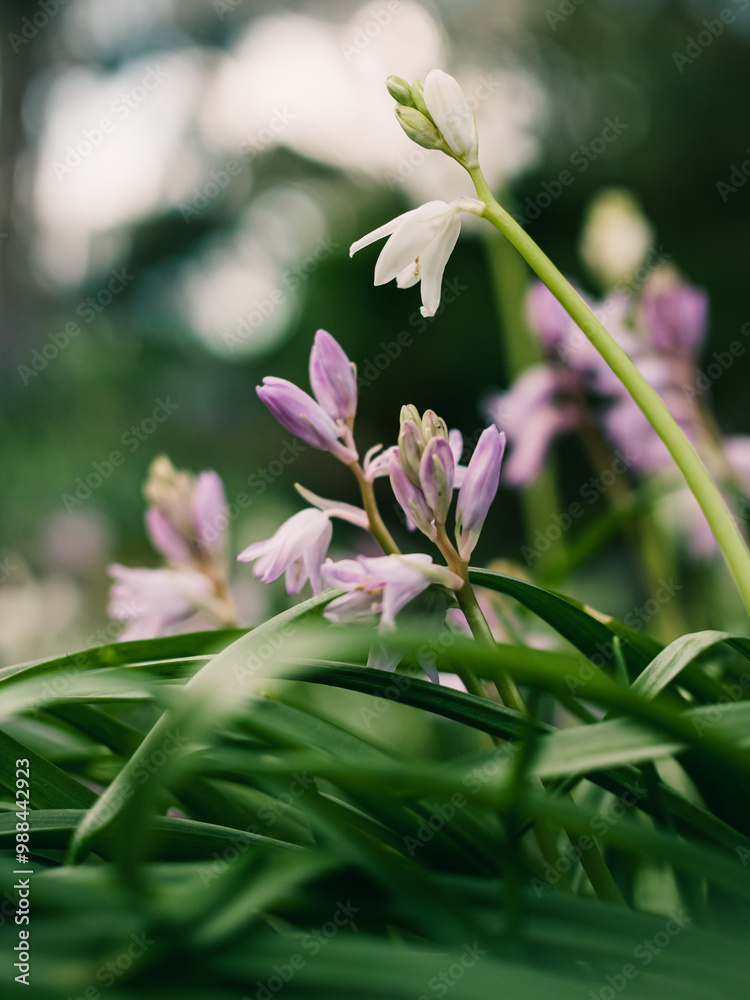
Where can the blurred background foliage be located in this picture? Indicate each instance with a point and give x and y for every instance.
(218, 158)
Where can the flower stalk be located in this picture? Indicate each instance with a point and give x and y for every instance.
(705, 491)
(377, 527)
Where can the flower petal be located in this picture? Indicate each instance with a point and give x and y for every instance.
(332, 378)
(300, 414)
(411, 499)
(305, 530)
(165, 537)
(208, 511)
(433, 261)
(436, 475)
(479, 489)
(414, 234)
(451, 113)
(379, 233)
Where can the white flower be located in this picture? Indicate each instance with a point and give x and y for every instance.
(420, 244)
(451, 113)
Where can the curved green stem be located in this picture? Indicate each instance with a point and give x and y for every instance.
(377, 527)
(506, 686)
(704, 490)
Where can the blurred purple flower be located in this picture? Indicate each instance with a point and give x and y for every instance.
(187, 518)
(166, 597)
(187, 523)
(542, 403)
(675, 316)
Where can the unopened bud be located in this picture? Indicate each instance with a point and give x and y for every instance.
(411, 499)
(417, 98)
(399, 90)
(410, 448)
(436, 477)
(433, 426)
(410, 412)
(418, 128)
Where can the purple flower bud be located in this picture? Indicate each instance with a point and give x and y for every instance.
(209, 512)
(436, 474)
(411, 498)
(675, 318)
(301, 415)
(166, 538)
(332, 377)
(478, 490)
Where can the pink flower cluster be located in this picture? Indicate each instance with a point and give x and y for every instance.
(186, 523)
(662, 330)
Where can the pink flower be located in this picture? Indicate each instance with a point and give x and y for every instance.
(326, 421)
(297, 549)
(187, 519)
(332, 377)
(303, 416)
(186, 523)
(533, 412)
(378, 589)
(675, 316)
(478, 490)
(381, 586)
(152, 601)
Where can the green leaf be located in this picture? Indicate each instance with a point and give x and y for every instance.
(49, 786)
(207, 700)
(177, 839)
(678, 655)
(585, 630)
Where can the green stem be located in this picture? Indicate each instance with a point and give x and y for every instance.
(506, 686)
(510, 278)
(702, 486)
(592, 860)
(377, 527)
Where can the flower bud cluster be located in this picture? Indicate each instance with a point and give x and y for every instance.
(425, 471)
(436, 115)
